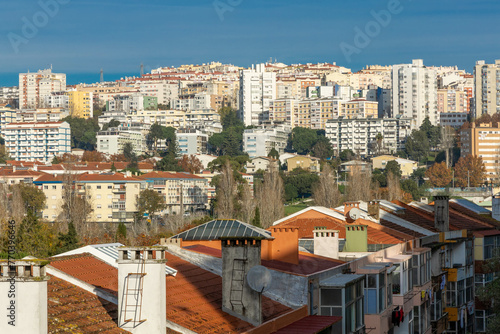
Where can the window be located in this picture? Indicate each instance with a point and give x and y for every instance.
(98, 187)
(98, 196)
(110, 187)
(45, 187)
(98, 206)
(54, 197)
(98, 216)
(110, 196)
(54, 187)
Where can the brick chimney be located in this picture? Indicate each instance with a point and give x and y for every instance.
(442, 213)
(326, 242)
(23, 291)
(495, 207)
(142, 305)
(238, 299)
(374, 209)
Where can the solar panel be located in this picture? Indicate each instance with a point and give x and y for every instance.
(224, 228)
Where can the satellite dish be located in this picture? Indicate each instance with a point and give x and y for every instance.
(259, 279)
(354, 213)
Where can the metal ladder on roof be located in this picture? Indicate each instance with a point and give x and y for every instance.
(133, 305)
(237, 281)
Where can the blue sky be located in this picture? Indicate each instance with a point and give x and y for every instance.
(117, 35)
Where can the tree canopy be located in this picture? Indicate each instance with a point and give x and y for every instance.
(83, 132)
(439, 175)
(470, 170)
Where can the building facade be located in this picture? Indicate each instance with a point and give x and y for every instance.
(360, 135)
(414, 92)
(37, 141)
(34, 87)
(486, 81)
(259, 142)
(257, 89)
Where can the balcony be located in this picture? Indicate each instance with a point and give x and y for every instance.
(119, 189)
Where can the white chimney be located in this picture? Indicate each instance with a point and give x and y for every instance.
(326, 242)
(23, 291)
(142, 292)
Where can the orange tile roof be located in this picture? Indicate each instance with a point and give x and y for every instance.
(89, 269)
(377, 234)
(106, 177)
(194, 295)
(74, 310)
(308, 263)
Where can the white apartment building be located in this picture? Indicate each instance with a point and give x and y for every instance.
(486, 83)
(34, 87)
(9, 93)
(191, 141)
(113, 140)
(200, 101)
(259, 142)
(41, 115)
(163, 90)
(7, 115)
(359, 135)
(56, 100)
(415, 92)
(257, 89)
(132, 102)
(37, 141)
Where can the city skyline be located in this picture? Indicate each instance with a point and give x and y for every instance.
(160, 34)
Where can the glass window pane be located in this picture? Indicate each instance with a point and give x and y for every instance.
(331, 297)
(371, 301)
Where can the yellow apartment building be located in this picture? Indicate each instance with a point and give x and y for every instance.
(304, 162)
(483, 141)
(359, 108)
(112, 196)
(80, 104)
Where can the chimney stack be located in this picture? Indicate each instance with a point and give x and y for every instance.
(495, 207)
(356, 238)
(326, 242)
(374, 209)
(238, 299)
(23, 291)
(442, 213)
(142, 292)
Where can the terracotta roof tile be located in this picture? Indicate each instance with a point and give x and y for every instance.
(170, 175)
(89, 269)
(74, 310)
(309, 325)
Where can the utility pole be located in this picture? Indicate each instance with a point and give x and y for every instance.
(453, 179)
(468, 179)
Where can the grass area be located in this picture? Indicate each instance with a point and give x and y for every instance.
(295, 208)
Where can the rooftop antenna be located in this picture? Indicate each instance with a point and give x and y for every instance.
(102, 76)
(142, 69)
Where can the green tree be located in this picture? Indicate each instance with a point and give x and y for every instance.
(256, 217)
(169, 161)
(301, 181)
(379, 140)
(111, 124)
(303, 139)
(215, 143)
(379, 177)
(33, 198)
(417, 145)
(323, 148)
(412, 188)
(150, 202)
(392, 167)
(4, 154)
(121, 231)
(35, 238)
(273, 153)
(68, 241)
(346, 155)
(432, 132)
(83, 132)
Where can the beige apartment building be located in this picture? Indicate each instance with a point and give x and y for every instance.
(359, 108)
(112, 196)
(34, 87)
(483, 141)
(451, 101)
(486, 80)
